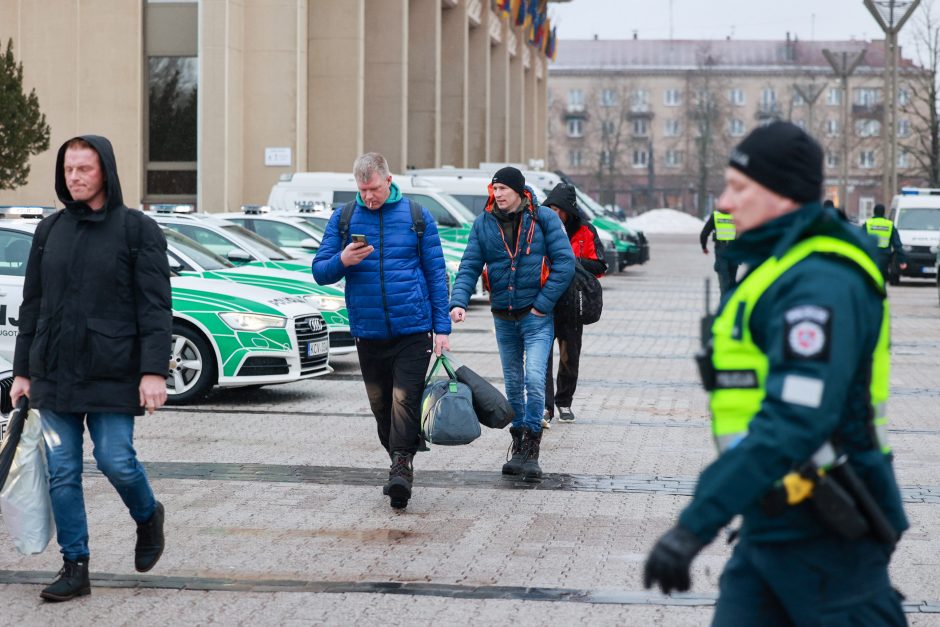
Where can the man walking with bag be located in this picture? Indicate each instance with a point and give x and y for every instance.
(389, 252)
(529, 264)
(94, 335)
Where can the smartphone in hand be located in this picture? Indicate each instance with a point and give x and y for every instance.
(359, 239)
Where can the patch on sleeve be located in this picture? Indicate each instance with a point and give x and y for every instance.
(808, 333)
(804, 391)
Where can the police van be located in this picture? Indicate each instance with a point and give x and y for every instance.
(915, 213)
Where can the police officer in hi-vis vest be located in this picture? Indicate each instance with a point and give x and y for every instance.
(796, 365)
(720, 226)
(889, 242)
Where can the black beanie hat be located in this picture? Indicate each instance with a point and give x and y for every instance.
(564, 197)
(783, 158)
(512, 178)
(879, 211)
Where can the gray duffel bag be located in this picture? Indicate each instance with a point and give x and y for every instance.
(447, 416)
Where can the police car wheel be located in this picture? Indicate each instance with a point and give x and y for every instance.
(192, 366)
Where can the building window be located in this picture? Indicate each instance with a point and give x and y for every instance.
(867, 96)
(904, 160)
(832, 160)
(640, 102)
(575, 127)
(641, 127)
(607, 128)
(867, 128)
(866, 159)
(834, 96)
(605, 158)
(171, 139)
(800, 123)
(672, 128)
(574, 158)
(736, 97)
(832, 127)
(904, 128)
(768, 98)
(672, 97)
(798, 100)
(608, 98)
(904, 97)
(736, 127)
(575, 100)
(866, 204)
(640, 158)
(673, 158)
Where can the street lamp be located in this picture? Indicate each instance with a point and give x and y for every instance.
(891, 16)
(844, 66)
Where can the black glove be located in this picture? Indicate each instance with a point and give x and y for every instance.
(668, 563)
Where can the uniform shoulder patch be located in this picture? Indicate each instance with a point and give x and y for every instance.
(808, 333)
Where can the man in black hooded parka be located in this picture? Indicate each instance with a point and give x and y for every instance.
(93, 347)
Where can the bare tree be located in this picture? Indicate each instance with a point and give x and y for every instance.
(608, 135)
(923, 143)
(707, 114)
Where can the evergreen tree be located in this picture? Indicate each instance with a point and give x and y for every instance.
(23, 128)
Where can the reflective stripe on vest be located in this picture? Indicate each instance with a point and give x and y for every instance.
(724, 226)
(881, 227)
(741, 367)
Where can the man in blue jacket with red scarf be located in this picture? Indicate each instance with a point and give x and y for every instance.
(396, 294)
(528, 263)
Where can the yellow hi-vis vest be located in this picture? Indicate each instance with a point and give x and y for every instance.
(741, 367)
(724, 226)
(881, 227)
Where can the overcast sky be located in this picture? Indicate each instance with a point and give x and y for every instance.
(714, 19)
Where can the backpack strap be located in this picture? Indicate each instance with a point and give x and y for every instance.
(345, 217)
(417, 222)
(43, 233)
(132, 233)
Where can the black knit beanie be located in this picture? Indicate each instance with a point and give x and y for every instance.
(563, 196)
(783, 158)
(512, 178)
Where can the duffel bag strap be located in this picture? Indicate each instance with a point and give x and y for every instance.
(443, 361)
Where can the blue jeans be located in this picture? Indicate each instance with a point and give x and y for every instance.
(113, 437)
(524, 347)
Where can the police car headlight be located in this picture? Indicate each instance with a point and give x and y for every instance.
(453, 266)
(907, 248)
(935, 248)
(326, 303)
(252, 322)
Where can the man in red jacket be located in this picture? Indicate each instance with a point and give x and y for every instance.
(589, 252)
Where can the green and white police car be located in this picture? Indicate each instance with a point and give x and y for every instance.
(224, 333)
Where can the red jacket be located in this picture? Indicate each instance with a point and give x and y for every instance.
(587, 246)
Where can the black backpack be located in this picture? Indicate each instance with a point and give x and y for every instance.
(583, 301)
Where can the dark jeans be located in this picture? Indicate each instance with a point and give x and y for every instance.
(569, 361)
(394, 371)
(827, 581)
(727, 271)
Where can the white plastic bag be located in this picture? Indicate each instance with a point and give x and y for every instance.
(24, 500)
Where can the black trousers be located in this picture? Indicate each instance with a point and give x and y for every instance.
(727, 270)
(568, 335)
(394, 371)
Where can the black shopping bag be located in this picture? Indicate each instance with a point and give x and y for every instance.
(491, 407)
(447, 416)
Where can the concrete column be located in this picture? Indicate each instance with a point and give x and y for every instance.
(386, 81)
(335, 81)
(516, 129)
(478, 95)
(530, 115)
(454, 110)
(424, 84)
(541, 110)
(221, 105)
(499, 94)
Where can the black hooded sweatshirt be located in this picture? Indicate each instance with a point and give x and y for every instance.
(94, 319)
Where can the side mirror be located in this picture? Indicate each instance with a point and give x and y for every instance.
(449, 220)
(238, 256)
(309, 244)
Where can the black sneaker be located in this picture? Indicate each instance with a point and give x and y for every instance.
(72, 581)
(400, 480)
(150, 541)
(565, 414)
(546, 420)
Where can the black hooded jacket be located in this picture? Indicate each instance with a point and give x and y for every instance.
(94, 319)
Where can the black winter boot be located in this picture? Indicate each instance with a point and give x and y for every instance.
(531, 471)
(400, 479)
(513, 465)
(150, 541)
(72, 582)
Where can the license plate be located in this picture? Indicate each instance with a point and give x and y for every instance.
(318, 348)
(929, 270)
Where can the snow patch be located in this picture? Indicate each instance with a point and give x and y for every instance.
(666, 221)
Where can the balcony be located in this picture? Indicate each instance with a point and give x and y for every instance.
(868, 111)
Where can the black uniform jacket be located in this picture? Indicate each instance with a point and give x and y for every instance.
(92, 319)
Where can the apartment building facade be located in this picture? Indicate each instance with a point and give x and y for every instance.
(646, 124)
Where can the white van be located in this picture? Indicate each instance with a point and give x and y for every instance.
(916, 215)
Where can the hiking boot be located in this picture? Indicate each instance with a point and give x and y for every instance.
(400, 479)
(565, 414)
(531, 471)
(150, 541)
(72, 581)
(513, 465)
(547, 419)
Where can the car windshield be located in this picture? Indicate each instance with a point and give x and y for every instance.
(920, 219)
(476, 203)
(199, 254)
(467, 215)
(269, 250)
(319, 222)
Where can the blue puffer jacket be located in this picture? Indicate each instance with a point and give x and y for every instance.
(393, 291)
(515, 281)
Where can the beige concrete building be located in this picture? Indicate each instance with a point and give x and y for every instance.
(647, 124)
(212, 101)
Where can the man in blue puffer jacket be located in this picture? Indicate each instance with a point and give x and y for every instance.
(528, 261)
(396, 294)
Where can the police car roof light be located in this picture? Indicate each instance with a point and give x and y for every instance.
(255, 209)
(172, 208)
(920, 191)
(11, 212)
